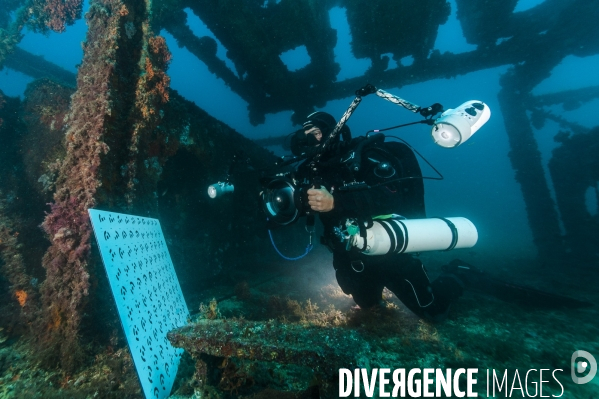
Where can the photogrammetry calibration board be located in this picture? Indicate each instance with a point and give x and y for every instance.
(147, 294)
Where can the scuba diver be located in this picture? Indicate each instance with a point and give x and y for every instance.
(394, 186)
(369, 195)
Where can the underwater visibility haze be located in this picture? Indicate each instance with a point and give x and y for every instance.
(299, 199)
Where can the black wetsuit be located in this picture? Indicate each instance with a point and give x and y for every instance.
(364, 276)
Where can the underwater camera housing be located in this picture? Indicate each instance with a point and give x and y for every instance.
(284, 200)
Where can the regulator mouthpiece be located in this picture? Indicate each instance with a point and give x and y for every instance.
(456, 126)
(218, 189)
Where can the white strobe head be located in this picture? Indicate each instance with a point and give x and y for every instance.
(455, 126)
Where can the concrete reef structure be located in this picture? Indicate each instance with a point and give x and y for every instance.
(321, 350)
(256, 33)
(534, 41)
(123, 139)
(107, 146)
(93, 123)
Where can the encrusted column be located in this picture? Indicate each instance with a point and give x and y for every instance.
(120, 84)
(527, 163)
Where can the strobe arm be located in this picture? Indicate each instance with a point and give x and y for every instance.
(364, 91)
(398, 101)
(426, 112)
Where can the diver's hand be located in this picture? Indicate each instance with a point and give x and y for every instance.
(320, 199)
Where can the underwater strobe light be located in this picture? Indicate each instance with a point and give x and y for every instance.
(220, 188)
(455, 126)
(399, 235)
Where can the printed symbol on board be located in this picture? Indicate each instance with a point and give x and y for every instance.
(161, 351)
(101, 217)
(143, 235)
(130, 313)
(166, 368)
(111, 253)
(134, 221)
(150, 317)
(132, 286)
(121, 252)
(127, 220)
(150, 275)
(143, 221)
(124, 234)
(136, 234)
(129, 251)
(127, 269)
(138, 282)
(145, 279)
(160, 327)
(149, 342)
(143, 299)
(106, 235)
(119, 219)
(156, 361)
(136, 332)
(156, 392)
(143, 324)
(131, 233)
(118, 274)
(150, 375)
(155, 332)
(137, 304)
(116, 235)
(110, 218)
(142, 352)
(161, 380)
(123, 291)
